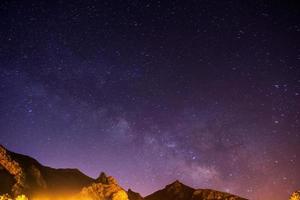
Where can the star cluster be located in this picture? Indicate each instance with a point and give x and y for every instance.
(206, 92)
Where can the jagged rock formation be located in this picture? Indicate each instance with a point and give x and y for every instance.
(30, 177)
(105, 187)
(21, 175)
(13, 168)
(99, 191)
(102, 178)
(179, 191)
(295, 195)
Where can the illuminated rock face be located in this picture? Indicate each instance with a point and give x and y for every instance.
(295, 195)
(25, 176)
(106, 189)
(14, 169)
(7, 197)
(21, 197)
(120, 195)
(24, 170)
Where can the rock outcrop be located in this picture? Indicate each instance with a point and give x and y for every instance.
(99, 191)
(295, 195)
(14, 169)
(22, 175)
(105, 187)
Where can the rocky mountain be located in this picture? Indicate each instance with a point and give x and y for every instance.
(179, 191)
(22, 176)
(174, 191)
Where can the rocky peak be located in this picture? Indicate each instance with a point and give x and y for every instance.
(102, 178)
(177, 187)
(173, 191)
(175, 184)
(104, 187)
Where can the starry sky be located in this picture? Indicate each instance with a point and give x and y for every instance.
(207, 92)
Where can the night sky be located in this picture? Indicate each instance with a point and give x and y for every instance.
(207, 92)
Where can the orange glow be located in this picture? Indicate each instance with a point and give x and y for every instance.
(120, 195)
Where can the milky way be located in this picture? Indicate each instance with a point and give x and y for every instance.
(206, 92)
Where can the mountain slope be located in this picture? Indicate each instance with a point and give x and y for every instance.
(20, 174)
(179, 191)
(174, 191)
(134, 195)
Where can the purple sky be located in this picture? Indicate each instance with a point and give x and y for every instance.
(206, 92)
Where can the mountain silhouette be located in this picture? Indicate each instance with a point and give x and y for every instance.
(23, 175)
(179, 191)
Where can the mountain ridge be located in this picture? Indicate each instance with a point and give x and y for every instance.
(23, 175)
(28, 173)
(180, 191)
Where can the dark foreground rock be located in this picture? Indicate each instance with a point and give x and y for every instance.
(179, 191)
